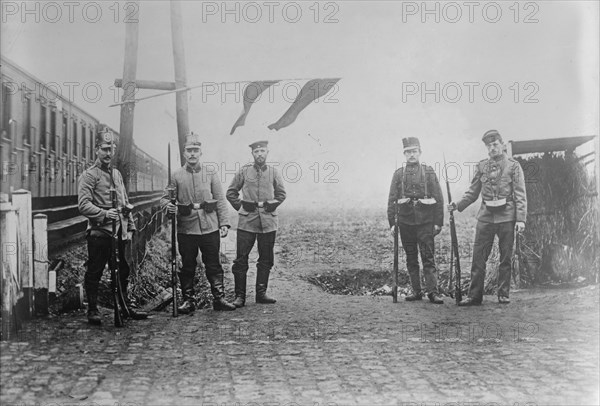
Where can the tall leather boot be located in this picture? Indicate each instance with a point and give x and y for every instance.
(93, 315)
(240, 289)
(135, 314)
(187, 290)
(218, 291)
(262, 282)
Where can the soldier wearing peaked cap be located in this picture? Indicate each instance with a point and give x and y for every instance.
(501, 183)
(201, 221)
(95, 203)
(416, 194)
(262, 192)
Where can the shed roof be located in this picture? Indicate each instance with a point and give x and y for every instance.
(549, 144)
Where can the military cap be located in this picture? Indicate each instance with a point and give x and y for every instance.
(192, 140)
(491, 136)
(411, 143)
(259, 144)
(105, 136)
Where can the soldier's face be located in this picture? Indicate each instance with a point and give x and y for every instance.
(105, 153)
(260, 155)
(192, 155)
(495, 148)
(412, 155)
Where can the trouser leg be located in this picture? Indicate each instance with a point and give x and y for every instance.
(98, 256)
(245, 242)
(266, 258)
(484, 240)
(506, 237)
(427, 250)
(188, 249)
(408, 236)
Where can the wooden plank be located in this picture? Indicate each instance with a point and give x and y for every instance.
(22, 203)
(149, 84)
(10, 276)
(40, 278)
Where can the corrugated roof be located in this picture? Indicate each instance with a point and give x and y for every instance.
(549, 144)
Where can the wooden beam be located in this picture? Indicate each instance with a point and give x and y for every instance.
(149, 84)
(181, 98)
(124, 151)
(22, 202)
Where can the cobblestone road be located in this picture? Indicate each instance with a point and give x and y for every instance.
(314, 348)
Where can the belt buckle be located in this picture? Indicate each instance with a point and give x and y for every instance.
(261, 204)
(196, 206)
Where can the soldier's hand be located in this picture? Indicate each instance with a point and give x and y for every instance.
(224, 231)
(451, 207)
(519, 227)
(392, 230)
(171, 208)
(437, 230)
(112, 214)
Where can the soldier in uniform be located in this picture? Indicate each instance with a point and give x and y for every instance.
(263, 191)
(503, 211)
(95, 204)
(201, 221)
(415, 192)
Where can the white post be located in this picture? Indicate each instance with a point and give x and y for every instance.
(10, 274)
(40, 278)
(22, 203)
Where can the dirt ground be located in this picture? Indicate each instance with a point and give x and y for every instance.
(314, 347)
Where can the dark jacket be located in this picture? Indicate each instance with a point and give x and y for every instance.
(411, 182)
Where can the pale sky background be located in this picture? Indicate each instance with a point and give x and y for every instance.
(373, 47)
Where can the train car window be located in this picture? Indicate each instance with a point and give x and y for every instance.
(27, 120)
(74, 138)
(6, 109)
(84, 142)
(43, 126)
(53, 135)
(65, 128)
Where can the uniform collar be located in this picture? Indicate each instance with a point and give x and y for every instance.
(262, 168)
(197, 169)
(99, 164)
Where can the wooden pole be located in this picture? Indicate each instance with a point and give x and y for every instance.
(124, 163)
(149, 84)
(181, 98)
(40, 278)
(10, 274)
(22, 203)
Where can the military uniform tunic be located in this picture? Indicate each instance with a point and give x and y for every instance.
(416, 220)
(494, 179)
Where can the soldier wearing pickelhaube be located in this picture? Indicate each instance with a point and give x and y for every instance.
(415, 192)
(202, 220)
(262, 192)
(500, 181)
(95, 203)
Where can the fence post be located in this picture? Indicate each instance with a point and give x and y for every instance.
(10, 273)
(22, 203)
(40, 278)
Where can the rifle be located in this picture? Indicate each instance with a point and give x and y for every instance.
(454, 238)
(516, 262)
(119, 303)
(173, 198)
(395, 286)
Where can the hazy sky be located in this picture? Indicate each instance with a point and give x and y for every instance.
(527, 69)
